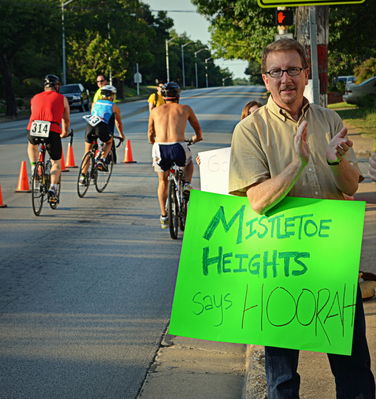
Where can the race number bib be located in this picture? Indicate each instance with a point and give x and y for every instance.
(40, 129)
(92, 120)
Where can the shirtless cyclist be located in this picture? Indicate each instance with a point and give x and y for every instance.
(166, 132)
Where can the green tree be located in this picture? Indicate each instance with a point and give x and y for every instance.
(21, 52)
(352, 37)
(239, 29)
(365, 70)
(114, 36)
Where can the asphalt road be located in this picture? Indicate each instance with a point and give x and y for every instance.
(86, 290)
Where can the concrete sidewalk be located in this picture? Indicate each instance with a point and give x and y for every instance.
(186, 368)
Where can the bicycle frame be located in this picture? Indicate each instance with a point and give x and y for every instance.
(177, 175)
(89, 169)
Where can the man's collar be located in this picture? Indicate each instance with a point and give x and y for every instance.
(282, 113)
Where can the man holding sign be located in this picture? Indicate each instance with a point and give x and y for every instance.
(291, 147)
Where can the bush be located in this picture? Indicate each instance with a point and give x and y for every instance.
(365, 70)
(368, 102)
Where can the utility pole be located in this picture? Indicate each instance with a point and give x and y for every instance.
(109, 55)
(206, 71)
(182, 61)
(63, 40)
(196, 73)
(167, 61)
(305, 27)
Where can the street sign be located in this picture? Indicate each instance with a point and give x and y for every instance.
(137, 77)
(295, 3)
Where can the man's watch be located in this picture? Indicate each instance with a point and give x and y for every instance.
(334, 163)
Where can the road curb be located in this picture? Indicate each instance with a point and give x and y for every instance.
(254, 378)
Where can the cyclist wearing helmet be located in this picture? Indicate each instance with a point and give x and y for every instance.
(166, 132)
(104, 113)
(52, 107)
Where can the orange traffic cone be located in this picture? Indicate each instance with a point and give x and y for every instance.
(128, 157)
(23, 180)
(2, 205)
(63, 168)
(70, 157)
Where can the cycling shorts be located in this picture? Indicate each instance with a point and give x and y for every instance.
(102, 130)
(166, 154)
(53, 144)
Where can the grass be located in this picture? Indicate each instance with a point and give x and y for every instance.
(144, 90)
(362, 119)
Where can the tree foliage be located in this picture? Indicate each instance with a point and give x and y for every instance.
(241, 29)
(352, 37)
(19, 48)
(365, 70)
(101, 36)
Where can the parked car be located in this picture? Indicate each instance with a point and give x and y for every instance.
(344, 79)
(77, 96)
(354, 93)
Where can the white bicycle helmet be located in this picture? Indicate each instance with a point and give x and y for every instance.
(108, 90)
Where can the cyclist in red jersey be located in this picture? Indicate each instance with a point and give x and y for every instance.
(52, 107)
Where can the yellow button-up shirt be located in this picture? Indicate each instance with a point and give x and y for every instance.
(263, 146)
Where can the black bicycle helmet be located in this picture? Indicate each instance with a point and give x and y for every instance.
(51, 80)
(108, 90)
(170, 91)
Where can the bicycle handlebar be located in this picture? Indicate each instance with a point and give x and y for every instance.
(189, 142)
(70, 134)
(120, 140)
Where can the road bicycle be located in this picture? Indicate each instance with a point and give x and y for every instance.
(177, 200)
(41, 178)
(89, 171)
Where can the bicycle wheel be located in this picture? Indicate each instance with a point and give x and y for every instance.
(38, 188)
(88, 164)
(173, 210)
(183, 213)
(183, 205)
(101, 177)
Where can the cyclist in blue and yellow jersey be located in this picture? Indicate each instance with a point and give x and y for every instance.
(103, 114)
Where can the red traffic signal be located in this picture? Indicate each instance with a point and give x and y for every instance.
(284, 17)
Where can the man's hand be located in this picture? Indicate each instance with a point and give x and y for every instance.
(338, 146)
(196, 139)
(64, 134)
(300, 143)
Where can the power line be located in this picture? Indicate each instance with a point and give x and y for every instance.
(191, 11)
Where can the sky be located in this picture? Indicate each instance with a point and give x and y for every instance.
(196, 27)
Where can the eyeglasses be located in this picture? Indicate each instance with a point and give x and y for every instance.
(99, 81)
(278, 73)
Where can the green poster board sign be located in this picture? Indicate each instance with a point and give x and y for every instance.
(288, 279)
(295, 3)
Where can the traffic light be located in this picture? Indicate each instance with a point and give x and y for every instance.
(284, 17)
